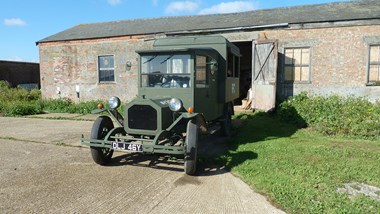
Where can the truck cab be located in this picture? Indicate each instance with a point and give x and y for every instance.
(186, 85)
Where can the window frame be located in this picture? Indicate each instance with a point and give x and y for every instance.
(369, 63)
(206, 73)
(284, 65)
(106, 69)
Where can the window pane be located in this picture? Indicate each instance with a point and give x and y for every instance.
(289, 56)
(230, 65)
(106, 75)
(374, 73)
(305, 74)
(374, 54)
(106, 62)
(305, 56)
(297, 56)
(166, 70)
(289, 73)
(165, 64)
(297, 74)
(236, 61)
(200, 74)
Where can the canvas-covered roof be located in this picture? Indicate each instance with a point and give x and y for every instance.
(339, 11)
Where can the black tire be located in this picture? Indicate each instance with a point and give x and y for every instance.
(226, 123)
(191, 142)
(100, 129)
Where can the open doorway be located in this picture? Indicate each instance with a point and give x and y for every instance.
(245, 69)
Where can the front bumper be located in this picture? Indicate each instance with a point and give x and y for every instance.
(148, 145)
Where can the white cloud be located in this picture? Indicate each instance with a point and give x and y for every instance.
(14, 22)
(114, 2)
(230, 7)
(155, 2)
(14, 58)
(182, 6)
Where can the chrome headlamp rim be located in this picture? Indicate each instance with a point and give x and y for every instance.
(175, 104)
(113, 102)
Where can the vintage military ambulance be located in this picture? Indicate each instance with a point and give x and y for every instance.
(186, 85)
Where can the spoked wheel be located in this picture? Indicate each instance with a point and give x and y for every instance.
(191, 142)
(100, 129)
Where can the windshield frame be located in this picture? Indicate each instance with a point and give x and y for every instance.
(169, 78)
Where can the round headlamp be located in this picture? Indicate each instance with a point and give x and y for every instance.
(114, 102)
(175, 104)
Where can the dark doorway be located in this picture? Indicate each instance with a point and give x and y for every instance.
(245, 69)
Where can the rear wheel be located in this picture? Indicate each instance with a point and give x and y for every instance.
(191, 142)
(226, 124)
(100, 129)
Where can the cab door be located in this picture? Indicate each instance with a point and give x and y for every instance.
(205, 96)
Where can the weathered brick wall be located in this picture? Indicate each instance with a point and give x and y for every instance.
(339, 59)
(18, 73)
(65, 65)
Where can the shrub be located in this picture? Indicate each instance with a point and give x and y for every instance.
(12, 94)
(57, 105)
(333, 115)
(4, 85)
(19, 108)
(84, 107)
(66, 105)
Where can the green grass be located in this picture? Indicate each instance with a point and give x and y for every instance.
(300, 170)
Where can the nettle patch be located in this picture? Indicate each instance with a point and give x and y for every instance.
(333, 115)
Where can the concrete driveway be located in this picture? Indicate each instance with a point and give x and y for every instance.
(39, 175)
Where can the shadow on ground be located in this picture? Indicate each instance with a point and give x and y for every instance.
(219, 155)
(255, 128)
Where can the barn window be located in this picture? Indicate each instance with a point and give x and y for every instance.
(374, 63)
(106, 68)
(297, 65)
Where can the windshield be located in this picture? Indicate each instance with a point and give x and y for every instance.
(166, 70)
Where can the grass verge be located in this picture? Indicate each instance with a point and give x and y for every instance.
(300, 170)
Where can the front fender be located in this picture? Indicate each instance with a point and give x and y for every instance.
(115, 115)
(200, 120)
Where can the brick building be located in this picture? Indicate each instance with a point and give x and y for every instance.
(322, 49)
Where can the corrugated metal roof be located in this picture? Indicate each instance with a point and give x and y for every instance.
(342, 11)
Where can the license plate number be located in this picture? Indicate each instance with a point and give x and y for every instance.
(132, 147)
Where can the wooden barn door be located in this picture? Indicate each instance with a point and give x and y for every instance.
(264, 75)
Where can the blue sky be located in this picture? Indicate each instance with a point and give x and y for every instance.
(23, 22)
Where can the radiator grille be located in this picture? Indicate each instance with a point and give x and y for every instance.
(142, 117)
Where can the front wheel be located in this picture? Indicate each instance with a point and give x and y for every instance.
(191, 142)
(100, 129)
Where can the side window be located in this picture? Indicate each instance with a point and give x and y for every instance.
(106, 66)
(236, 66)
(297, 65)
(232, 65)
(374, 63)
(202, 71)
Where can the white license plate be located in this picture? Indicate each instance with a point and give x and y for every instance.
(132, 147)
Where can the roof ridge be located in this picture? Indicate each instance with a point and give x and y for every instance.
(223, 14)
(333, 11)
